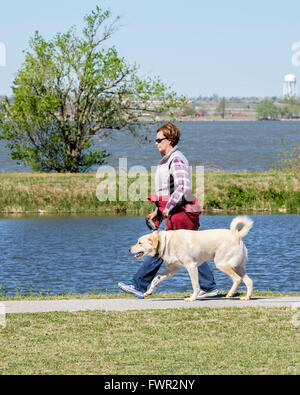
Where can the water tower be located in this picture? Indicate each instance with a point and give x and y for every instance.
(289, 85)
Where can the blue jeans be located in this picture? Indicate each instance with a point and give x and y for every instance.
(150, 267)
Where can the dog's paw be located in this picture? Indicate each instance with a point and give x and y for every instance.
(190, 299)
(146, 294)
(245, 298)
(228, 296)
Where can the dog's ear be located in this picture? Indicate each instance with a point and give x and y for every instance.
(154, 239)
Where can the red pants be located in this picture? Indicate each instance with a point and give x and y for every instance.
(180, 219)
(183, 220)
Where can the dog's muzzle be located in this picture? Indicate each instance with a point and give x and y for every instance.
(139, 255)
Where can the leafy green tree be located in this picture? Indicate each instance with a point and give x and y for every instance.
(221, 108)
(289, 107)
(189, 111)
(69, 90)
(266, 109)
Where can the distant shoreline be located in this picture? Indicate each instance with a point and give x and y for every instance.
(200, 119)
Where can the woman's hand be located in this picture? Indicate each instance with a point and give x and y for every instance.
(152, 216)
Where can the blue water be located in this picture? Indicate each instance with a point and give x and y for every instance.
(81, 254)
(229, 146)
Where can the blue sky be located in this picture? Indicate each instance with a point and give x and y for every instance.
(231, 48)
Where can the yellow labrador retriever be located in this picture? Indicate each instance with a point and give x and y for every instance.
(190, 249)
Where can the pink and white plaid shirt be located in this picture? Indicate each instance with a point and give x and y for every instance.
(182, 182)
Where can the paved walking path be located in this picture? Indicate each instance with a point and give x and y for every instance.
(44, 306)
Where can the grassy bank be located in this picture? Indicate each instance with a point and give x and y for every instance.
(273, 191)
(174, 341)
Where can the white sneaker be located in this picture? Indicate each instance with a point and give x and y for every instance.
(208, 294)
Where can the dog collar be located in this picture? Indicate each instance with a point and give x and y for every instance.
(157, 250)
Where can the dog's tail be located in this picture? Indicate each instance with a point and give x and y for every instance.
(246, 224)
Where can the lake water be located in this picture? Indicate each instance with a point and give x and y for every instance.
(79, 254)
(230, 145)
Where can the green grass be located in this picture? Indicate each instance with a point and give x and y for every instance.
(28, 294)
(273, 191)
(23, 193)
(166, 342)
(175, 341)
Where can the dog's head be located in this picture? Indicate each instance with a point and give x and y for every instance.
(146, 246)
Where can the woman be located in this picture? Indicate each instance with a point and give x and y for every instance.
(176, 204)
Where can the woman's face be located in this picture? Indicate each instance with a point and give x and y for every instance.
(163, 144)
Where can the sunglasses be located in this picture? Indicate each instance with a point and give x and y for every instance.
(160, 140)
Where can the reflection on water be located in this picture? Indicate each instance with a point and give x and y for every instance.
(80, 254)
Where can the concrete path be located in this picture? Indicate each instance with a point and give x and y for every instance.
(72, 305)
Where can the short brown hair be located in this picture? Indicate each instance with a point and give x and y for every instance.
(171, 132)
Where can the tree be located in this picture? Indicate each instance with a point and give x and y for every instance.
(220, 110)
(189, 111)
(71, 88)
(289, 107)
(266, 109)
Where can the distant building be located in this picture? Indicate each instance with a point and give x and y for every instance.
(239, 114)
(289, 85)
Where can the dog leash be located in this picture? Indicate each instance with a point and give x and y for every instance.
(151, 224)
(167, 222)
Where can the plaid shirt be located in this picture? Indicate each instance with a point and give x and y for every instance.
(182, 182)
